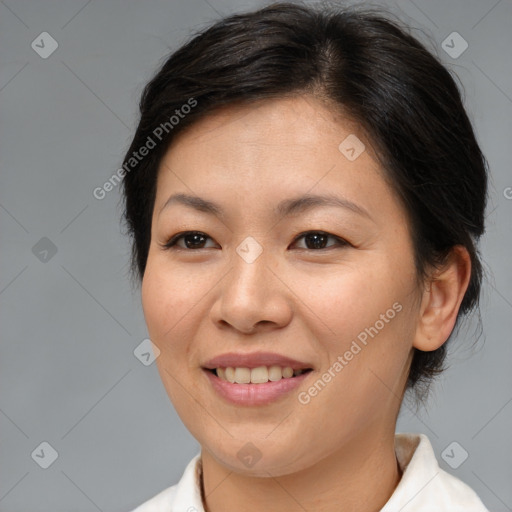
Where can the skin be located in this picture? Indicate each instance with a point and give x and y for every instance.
(295, 300)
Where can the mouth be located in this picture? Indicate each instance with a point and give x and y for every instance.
(257, 378)
(259, 386)
(258, 375)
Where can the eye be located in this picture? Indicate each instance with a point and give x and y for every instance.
(316, 240)
(192, 240)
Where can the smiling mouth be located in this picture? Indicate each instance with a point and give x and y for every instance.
(258, 375)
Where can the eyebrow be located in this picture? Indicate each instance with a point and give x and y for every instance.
(285, 208)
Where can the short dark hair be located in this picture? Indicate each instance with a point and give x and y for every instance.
(367, 66)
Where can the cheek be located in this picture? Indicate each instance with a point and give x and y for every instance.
(168, 300)
(350, 300)
(155, 298)
(366, 317)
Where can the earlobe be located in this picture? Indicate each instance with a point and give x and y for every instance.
(441, 300)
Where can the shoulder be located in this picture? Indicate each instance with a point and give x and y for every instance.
(162, 501)
(425, 486)
(184, 496)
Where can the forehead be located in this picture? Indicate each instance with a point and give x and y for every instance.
(299, 120)
(267, 135)
(271, 148)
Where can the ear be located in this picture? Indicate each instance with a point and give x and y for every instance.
(441, 300)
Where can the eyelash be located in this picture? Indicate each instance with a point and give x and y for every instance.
(171, 243)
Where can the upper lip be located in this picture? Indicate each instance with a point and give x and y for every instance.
(254, 360)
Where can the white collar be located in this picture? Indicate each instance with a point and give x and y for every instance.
(424, 486)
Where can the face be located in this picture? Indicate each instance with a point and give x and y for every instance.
(265, 283)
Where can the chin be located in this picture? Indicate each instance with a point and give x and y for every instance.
(258, 458)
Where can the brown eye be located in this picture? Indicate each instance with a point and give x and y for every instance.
(317, 240)
(191, 239)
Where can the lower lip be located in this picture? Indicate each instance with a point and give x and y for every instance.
(255, 394)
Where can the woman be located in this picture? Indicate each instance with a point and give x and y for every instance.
(305, 194)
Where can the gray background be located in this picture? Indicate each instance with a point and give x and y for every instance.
(71, 321)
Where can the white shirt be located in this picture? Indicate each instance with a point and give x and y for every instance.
(424, 486)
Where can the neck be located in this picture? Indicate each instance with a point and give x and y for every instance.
(361, 476)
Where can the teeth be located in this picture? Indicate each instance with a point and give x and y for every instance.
(287, 372)
(259, 375)
(242, 375)
(275, 373)
(230, 374)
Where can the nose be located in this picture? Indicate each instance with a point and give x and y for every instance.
(253, 297)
